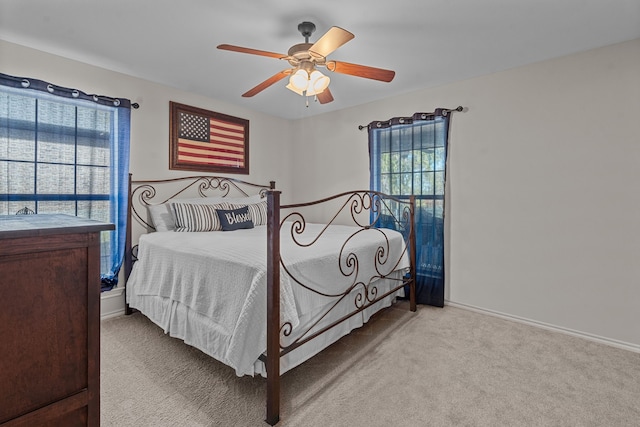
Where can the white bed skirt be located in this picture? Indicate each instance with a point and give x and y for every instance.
(199, 331)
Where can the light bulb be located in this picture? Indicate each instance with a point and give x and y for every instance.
(318, 82)
(299, 80)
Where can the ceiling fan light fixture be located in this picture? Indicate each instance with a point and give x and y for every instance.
(303, 83)
(318, 82)
(299, 80)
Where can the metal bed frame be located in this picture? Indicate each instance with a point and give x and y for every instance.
(367, 209)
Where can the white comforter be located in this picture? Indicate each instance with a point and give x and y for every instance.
(222, 275)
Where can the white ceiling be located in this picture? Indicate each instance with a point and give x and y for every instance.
(427, 42)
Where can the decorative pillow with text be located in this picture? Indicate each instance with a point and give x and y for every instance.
(235, 219)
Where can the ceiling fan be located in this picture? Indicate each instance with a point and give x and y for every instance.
(304, 77)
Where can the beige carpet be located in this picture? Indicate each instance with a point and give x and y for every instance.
(436, 367)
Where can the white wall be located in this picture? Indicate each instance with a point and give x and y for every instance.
(543, 203)
(543, 209)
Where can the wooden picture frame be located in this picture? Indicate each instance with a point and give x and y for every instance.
(206, 141)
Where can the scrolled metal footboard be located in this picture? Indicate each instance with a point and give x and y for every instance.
(366, 210)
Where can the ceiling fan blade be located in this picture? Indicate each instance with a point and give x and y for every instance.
(265, 84)
(325, 96)
(361, 71)
(330, 41)
(251, 51)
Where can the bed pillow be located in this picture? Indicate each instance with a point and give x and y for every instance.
(162, 216)
(235, 219)
(194, 217)
(257, 211)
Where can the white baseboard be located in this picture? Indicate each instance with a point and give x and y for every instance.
(112, 303)
(602, 340)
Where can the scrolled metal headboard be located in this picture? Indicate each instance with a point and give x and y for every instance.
(144, 193)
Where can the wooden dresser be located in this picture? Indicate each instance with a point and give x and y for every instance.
(50, 320)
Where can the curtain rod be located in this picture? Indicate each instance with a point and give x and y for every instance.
(34, 84)
(416, 116)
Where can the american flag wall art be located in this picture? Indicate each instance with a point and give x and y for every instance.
(207, 141)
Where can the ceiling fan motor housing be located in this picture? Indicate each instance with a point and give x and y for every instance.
(299, 55)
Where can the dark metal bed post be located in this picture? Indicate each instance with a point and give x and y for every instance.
(128, 259)
(273, 307)
(412, 258)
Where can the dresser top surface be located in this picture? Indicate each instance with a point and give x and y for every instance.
(44, 224)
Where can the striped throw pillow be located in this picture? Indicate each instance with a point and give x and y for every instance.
(257, 212)
(196, 217)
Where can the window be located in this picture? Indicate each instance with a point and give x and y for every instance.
(60, 154)
(410, 160)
